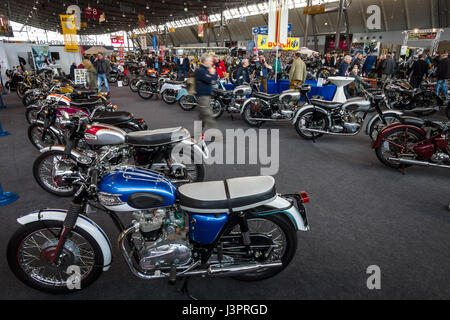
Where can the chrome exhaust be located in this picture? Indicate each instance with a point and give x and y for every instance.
(213, 270)
(330, 133)
(418, 163)
(269, 119)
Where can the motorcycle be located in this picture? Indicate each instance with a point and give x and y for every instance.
(176, 233)
(54, 169)
(231, 101)
(318, 117)
(414, 141)
(48, 130)
(170, 89)
(15, 78)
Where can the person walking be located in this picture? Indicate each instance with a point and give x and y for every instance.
(419, 70)
(205, 78)
(443, 74)
(388, 68)
(103, 68)
(262, 70)
(297, 74)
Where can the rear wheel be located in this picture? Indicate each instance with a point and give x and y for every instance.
(40, 137)
(187, 102)
(32, 247)
(133, 84)
(145, 91)
(307, 119)
(378, 125)
(217, 108)
(125, 81)
(397, 144)
(248, 114)
(274, 239)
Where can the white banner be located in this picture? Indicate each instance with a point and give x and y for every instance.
(143, 41)
(278, 21)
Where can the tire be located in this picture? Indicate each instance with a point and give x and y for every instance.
(28, 99)
(125, 81)
(290, 235)
(51, 138)
(186, 102)
(310, 135)
(144, 91)
(379, 150)
(31, 114)
(217, 108)
(21, 89)
(246, 113)
(133, 83)
(167, 98)
(378, 125)
(25, 231)
(233, 79)
(38, 165)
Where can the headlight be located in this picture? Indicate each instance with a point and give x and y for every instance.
(109, 200)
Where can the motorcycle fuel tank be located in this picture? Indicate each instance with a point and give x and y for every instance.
(131, 189)
(102, 134)
(289, 96)
(242, 90)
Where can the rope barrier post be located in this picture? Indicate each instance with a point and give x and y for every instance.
(7, 197)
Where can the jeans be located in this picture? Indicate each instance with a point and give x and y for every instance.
(100, 78)
(441, 84)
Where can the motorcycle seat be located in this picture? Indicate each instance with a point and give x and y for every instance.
(84, 102)
(326, 104)
(109, 117)
(174, 82)
(223, 92)
(157, 137)
(236, 194)
(266, 96)
(85, 91)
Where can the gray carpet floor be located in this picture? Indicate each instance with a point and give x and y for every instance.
(361, 213)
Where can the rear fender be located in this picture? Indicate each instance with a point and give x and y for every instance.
(298, 222)
(387, 130)
(311, 107)
(183, 92)
(377, 117)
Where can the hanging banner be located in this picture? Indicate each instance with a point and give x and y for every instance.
(91, 13)
(278, 21)
(162, 51)
(202, 19)
(155, 44)
(172, 30)
(200, 30)
(5, 28)
(143, 41)
(121, 52)
(69, 32)
(315, 9)
(40, 54)
(141, 21)
(290, 44)
(414, 36)
(116, 39)
(76, 11)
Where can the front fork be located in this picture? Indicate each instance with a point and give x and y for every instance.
(76, 208)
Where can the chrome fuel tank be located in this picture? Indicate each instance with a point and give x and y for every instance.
(100, 134)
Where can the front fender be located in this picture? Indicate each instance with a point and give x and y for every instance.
(393, 127)
(310, 106)
(292, 213)
(73, 153)
(377, 117)
(58, 133)
(83, 222)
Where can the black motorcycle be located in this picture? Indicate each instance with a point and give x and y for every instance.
(14, 79)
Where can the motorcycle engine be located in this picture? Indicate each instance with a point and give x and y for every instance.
(162, 239)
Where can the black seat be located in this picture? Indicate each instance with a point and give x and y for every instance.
(326, 104)
(109, 117)
(157, 137)
(84, 102)
(174, 82)
(212, 196)
(412, 121)
(266, 96)
(222, 92)
(85, 92)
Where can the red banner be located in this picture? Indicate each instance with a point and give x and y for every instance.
(91, 13)
(117, 39)
(121, 52)
(203, 17)
(141, 21)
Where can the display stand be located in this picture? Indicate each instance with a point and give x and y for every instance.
(340, 82)
(7, 197)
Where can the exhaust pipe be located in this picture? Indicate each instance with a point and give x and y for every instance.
(269, 119)
(213, 270)
(330, 133)
(418, 163)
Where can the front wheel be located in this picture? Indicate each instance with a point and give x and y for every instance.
(32, 246)
(21, 89)
(40, 137)
(169, 96)
(145, 91)
(217, 108)
(273, 237)
(125, 81)
(45, 172)
(133, 84)
(378, 125)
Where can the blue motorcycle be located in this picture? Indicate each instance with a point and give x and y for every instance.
(239, 227)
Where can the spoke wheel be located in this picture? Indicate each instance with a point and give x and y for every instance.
(306, 120)
(41, 138)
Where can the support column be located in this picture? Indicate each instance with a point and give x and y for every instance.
(339, 24)
(308, 3)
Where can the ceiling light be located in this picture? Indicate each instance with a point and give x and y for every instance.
(147, 6)
(123, 15)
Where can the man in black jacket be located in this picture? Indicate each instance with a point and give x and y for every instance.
(205, 77)
(103, 68)
(243, 73)
(443, 74)
(419, 69)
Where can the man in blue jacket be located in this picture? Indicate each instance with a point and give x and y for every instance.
(205, 77)
(368, 63)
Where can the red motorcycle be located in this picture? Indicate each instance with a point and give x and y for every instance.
(414, 141)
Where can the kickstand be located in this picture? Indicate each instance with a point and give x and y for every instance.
(313, 138)
(402, 169)
(185, 288)
(232, 118)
